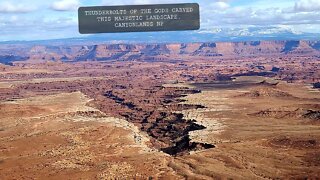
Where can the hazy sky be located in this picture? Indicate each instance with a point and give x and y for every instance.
(51, 19)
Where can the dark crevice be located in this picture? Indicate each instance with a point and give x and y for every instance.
(185, 145)
(169, 130)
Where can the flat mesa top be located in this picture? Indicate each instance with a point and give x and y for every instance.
(139, 18)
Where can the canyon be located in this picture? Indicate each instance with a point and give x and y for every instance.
(247, 110)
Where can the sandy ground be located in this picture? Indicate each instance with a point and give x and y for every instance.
(58, 136)
(249, 146)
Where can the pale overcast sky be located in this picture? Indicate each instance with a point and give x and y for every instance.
(52, 19)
